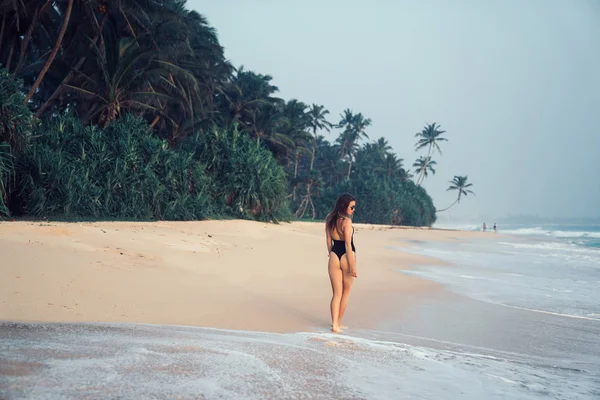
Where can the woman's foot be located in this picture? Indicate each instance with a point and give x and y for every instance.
(336, 329)
(342, 327)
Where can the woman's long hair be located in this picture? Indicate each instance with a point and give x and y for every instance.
(339, 211)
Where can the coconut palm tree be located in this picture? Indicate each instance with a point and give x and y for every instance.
(354, 126)
(459, 183)
(317, 121)
(382, 147)
(297, 129)
(429, 137)
(393, 167)
(423, 166)
(126, 78)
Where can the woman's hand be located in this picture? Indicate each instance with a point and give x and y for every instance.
(353, 272)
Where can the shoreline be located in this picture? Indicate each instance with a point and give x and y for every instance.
(229, 274)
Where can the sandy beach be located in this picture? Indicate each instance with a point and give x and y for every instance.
(226, 274)
(239, 309)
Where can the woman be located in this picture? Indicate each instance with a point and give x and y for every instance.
(342, 257)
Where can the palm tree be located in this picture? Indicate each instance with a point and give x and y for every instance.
(354, 126)
(245, 96)
(328, 163)
(377, 158)
(267, 124)
(422, 166)
(127, 78)
(317, 121)
(382, 146)
(393, 166)
(105, 21)
(459, 183)
(298, 131)
(429, 137)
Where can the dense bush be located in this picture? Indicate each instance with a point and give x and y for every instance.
(249, 183)
(71, 170)
(6, 177)
(77, 171)
(15, 129)
(382, 202)
(15, 118)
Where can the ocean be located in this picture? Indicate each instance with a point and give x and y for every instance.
(521, 320)
(553, 269)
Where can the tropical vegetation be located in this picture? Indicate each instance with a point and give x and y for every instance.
(130, 110)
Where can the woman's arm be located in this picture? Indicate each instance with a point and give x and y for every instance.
(347, 228)
(329, 244)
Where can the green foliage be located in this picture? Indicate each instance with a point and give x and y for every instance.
(121, 172)
(248, 181)
(15, 118)
(381, 201)
(6, 177)
(16, 122)
(182, 156)
(71, 170)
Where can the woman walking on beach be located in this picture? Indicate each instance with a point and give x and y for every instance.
(342, 256)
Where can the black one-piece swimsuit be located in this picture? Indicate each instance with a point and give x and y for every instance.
(339, 246)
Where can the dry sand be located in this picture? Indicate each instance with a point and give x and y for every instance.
(226, 274)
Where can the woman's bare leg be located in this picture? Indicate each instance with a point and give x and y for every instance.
(337, 283)
(347, 280)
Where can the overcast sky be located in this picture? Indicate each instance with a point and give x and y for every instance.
(515, 84)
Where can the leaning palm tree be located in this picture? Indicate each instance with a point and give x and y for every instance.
(429, 137)
(423, 166)
(460, 184)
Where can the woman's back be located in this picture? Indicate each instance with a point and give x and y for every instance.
(338, 230)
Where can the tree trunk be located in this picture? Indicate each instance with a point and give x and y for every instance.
(308, 193)
(25, 42)
(52, 55)
(10, 54)
(301, 208)
(2, 31)
(295, 173)
(67, 78)
(154, 122)
(422, 174)
(312, 158)
(349, 168)
(421, 177)
(455, 201)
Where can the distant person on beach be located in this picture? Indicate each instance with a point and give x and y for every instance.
(495, 227)
(484, 227)
(342, 256)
